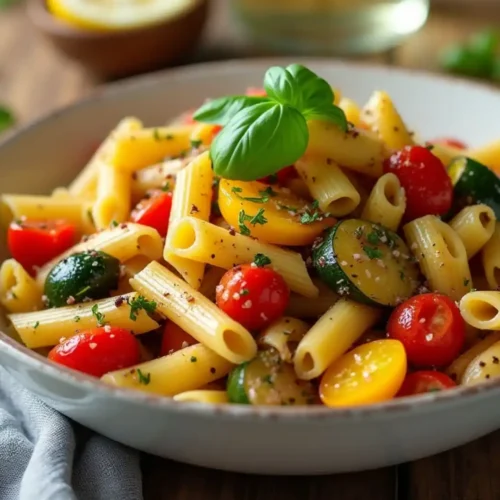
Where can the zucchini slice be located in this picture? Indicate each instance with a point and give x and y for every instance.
(366, 262)
(267, 380)
(474, 183)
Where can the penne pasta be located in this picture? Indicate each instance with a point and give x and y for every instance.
(481, 310)
(475, 226)
(192, 197)
(386, 204)
(352, 111)
(161, 176)
(357, 150)
(328, 185)
(85, 184)
(194, 313)
(19, 292)
(329, 338)
(312, 307)
(184, 370)
(490, 256)
(143, 148)
(202, 396)
(204, 242)
(441, 255)
(47, 328)
(122, 242)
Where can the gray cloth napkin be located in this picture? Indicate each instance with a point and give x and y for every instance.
(44, 456)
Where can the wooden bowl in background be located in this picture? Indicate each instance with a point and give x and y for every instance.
(116, 54)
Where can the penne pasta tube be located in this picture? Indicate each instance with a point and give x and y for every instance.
(204, 242)
(14, 207)
(184, 370)
(357, 150)
(161, 176)
(490, 256)
(481, 310)
(441, 255)
(47, 328)
(386, 204)
(284, 335)
(143, 148)
(312, 307)
(202, 396)
(351, 110)
(331, 336)
(113, 197)
(475, 226)
(192, 196)
(328, 185)
(194, 313)
(122, 242)
(19, 292)
(85, 184)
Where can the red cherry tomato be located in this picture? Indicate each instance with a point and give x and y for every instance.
(174, 339)
(33, 243)
(423, 176)
(425, 381)
(252, 296)
(447, 141)
(256, 92)
(154, 211)
(430, 327)
(281, 177)
(98, 351)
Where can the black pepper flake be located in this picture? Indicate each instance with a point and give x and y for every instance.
(496, 360)
(329, 161)
(232, 232)
(482, 364)
(212, 370)
(487, 375)
(212, 256)
(119, 301)
(134, 176)
(194, 209)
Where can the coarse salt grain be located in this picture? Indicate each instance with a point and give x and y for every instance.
(247, 304)
(92, 345)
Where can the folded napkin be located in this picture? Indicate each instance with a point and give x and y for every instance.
(45, 456)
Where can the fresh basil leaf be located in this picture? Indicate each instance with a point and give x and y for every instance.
(220, 111)
(259, 141)
(316, 92)
(6, 118)
(331, 113)
(281, 86)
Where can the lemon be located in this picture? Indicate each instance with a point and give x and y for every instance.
(113, 15)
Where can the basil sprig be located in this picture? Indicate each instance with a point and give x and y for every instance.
(261, 135)
(7, 119)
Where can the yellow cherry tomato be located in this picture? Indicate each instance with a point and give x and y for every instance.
(370, 373)
(270, 213)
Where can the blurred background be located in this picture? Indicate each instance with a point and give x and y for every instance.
(53, 52)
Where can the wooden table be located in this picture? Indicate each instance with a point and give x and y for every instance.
(34, 80)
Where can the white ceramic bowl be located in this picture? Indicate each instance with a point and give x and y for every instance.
(243, 438)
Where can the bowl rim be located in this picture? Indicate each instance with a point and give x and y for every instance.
(423, 402)
(40, 16)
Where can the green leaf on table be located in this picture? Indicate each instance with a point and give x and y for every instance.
(7, 119)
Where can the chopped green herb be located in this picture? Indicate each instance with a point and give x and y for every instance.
(373, 238)
(13, 295)
(265, 195)
(196, 143)
(430, 147)
(36, 325)
(267, 379)
(286, 207)
(242, 217)
(309, 218)
(466, 282)
(90, 216)
(169, 137)
(82, 291)
(98, 316)
(76, 319)
(193, 359)
(358, 232)
(139, 303)
(258, 218)
(244, 291)
(261, 260)
(156, 135)
(143, 379)
(401, 275)
(372, 253)
(166, 186)
(114, 223)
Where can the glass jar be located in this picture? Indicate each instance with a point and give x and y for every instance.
(330, 27)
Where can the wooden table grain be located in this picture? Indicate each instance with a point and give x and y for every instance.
(34, 79)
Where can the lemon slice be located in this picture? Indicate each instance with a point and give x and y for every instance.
(113, 15)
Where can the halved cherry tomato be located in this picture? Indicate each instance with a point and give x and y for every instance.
(370, 373)
(282, 176)
(430, 327)
(428, 187)
(256, 92)
(98, 351)
(253, 296)
(174, 339)
(154, 211)
(425, 381)
(33, 243)
(448, 141)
